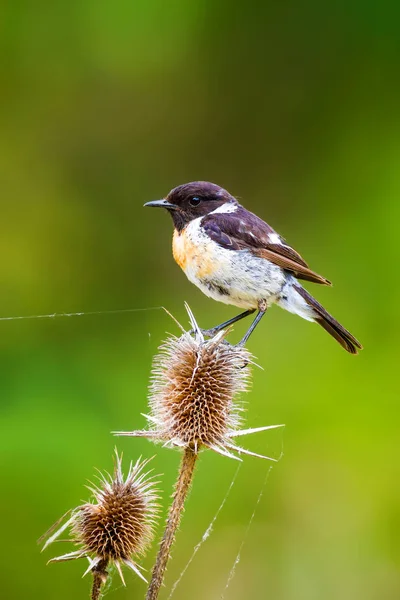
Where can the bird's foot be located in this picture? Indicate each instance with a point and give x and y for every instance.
(207, 333)
(210, 333)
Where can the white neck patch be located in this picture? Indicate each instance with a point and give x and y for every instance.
(274, 238)
(228, 207)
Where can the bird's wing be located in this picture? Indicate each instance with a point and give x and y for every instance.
(242, 230)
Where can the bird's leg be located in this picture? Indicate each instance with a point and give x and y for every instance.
(262, 307)
(211, 332)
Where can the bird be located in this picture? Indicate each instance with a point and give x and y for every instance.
(235, 257)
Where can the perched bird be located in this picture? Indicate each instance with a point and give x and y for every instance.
(234, 257)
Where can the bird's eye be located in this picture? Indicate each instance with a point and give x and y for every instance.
(194, 201)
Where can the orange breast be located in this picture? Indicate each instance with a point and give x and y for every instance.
(179, 244)
(191, 257)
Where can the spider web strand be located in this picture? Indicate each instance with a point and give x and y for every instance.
(246, 533)
(206, 534)
(80, 314)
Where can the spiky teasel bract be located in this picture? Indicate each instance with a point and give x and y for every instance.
(117, 525)
(194, 390)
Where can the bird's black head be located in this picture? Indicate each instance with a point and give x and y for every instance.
(192, 200)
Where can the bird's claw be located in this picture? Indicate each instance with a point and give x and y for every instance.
(207, 333)
(210, 333)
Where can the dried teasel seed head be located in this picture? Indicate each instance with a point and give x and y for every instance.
(194, 390)
(194, 385)
(118, 524)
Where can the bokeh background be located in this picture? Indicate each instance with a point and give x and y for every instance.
(294, 107)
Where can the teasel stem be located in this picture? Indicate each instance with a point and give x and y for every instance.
(99, 578)
(181, 490)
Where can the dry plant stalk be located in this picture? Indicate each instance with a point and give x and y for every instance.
(181, 490)
(115, 527)
(195, 384)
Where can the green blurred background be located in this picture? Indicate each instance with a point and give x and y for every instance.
(294, 107)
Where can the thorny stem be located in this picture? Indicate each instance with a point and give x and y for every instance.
(182, 487)
(99, 578)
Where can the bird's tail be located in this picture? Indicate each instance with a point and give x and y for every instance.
(321, 316)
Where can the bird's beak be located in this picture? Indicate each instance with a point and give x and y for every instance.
(162, 204)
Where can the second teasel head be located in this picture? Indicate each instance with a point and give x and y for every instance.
(117, 526)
